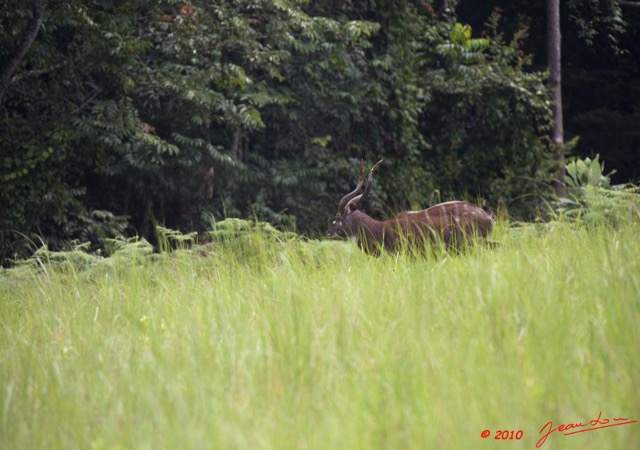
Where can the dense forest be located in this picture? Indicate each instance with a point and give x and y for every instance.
(117, 116)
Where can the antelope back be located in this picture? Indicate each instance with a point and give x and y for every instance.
(453, 223)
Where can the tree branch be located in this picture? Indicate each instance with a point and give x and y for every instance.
(6, 74)
(38, 72)
(629, 3)
(87, 101)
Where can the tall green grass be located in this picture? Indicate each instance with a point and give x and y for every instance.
(276, 345)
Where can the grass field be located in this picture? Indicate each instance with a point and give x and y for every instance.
(297, 345)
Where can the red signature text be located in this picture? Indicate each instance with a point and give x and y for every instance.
(579, 427)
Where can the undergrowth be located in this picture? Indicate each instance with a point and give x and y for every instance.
(262, 339)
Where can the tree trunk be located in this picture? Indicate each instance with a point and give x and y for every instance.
(6, 73)
(555, 85)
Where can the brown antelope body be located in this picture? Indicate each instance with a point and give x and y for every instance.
(452, 223)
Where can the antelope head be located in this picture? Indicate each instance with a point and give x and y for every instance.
(348, 221)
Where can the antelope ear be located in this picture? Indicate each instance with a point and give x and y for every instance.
(352, 207)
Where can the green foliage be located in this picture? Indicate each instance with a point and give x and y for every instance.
(248, 238)
(486, 119)
(171, 113)
(233, 230)
(169, 239)
(587, 172)
(75, 259)
(79, 257)
(594, 205)
(132, 248)
(593, 200)
(597, 20)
